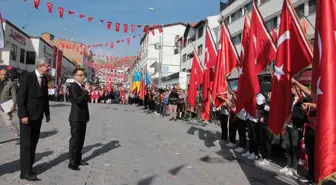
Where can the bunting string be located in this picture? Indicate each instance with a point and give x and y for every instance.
(109, 24)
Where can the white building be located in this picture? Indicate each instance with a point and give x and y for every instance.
(194, 39)
(16, 52)
(161, 45)
(233, 15)
(22, 50)
(270, 10)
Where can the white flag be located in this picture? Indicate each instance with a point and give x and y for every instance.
(2, 37)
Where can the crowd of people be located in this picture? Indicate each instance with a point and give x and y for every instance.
(255, 140)
(97, 94)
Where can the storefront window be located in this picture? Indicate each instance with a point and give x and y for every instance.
(13, 52)
(31, 57)
(22, 55)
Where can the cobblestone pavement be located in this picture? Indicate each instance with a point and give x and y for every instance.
(126, 146)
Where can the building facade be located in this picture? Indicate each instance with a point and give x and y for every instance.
(194, 40)
(160, 50)
(270, 10)
(22, 50)
(16, 52)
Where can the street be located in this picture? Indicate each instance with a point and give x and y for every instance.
(126, 146)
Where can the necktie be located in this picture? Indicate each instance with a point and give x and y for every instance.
(42, 81)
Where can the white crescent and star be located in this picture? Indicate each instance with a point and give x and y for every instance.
(278, 71)
(319, 43)
(240, 71)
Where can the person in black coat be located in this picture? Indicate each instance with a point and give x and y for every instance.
(78, 118)
(33, 103)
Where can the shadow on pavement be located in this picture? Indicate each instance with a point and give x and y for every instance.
(146, 181)
(176, 170)
(48, 133)
(7, 141)
(63, 157)
(60, 105)
(205, 135)
(104, 149)
(253, 173)
(14, 166)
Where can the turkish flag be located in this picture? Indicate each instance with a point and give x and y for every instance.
(227, 60)
(50, 7)
(112, 44)
(293, 55)
(128, 41)
(36, 3)
(196, 79)
(242, 62)
(61, 11)
(90, 19)
(125, 28)
(117, 27)
(261, 51)
(81, 16)
(71, 12)
(274, 36)
(109, 25)
(209, 62)
(133, 27)
(324, 66)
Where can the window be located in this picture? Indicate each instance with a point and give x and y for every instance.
(189, 56)
(22, 55)
(248, 7)
(300, 11)
(237, 39)
(31, 57)
(312, 7)
(273, 23)
(227, 20)
(200, 50)
(236, 15)
(263, 2)
(13, 52)
(184, 58)
(200, 32)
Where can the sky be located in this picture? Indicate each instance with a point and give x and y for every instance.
(136, 12)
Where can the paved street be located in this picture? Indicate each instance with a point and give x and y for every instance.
(126, 146)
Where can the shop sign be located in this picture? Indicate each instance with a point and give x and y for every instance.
(18, 37)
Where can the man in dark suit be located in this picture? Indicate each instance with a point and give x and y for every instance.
(79, 116)
(32, 103)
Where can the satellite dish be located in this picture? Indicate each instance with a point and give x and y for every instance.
(151, 9)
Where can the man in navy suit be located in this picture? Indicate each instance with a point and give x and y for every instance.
(78, 118)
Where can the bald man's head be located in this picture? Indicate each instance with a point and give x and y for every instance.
(3, 74)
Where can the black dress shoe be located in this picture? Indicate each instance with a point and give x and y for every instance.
(29, 177)
(73, 167)
(82, 163)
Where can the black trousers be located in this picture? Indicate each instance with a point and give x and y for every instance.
(233, 129)
(77, 130)
(310, 148)
(223, 119)
(292, 142)
(241, 124)
(29, 136)
(265, 141)
(252, 134)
